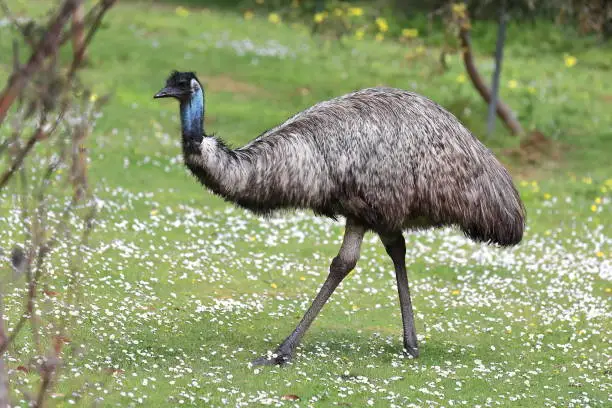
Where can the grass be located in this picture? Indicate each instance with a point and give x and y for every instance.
(183, 290)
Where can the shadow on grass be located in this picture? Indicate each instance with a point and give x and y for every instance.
(369, 348)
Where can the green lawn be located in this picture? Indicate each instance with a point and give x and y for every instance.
(182, 290)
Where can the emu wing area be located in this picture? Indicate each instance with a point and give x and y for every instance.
(393, 159)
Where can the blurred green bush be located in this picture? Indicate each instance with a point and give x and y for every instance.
(586, 16)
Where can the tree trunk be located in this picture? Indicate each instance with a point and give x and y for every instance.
(499, 55)
(503, 111)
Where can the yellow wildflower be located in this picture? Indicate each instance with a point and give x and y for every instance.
(461, 78)
(547, 196)
(319, 17)
(513, 84)
(458, 9)
(354, 307)
(382, 24)
(455, 292)
(355, 11)
(93, 97)
(531, 90)
(410, 32)
(248, 15)
(274, 18)
(608, 290)
(570, 60)
(181, 11)
(154, 212)
(599, 254)
(273, 285)
(597, 200)
(359, 34)
(593, 208)
(302, 278)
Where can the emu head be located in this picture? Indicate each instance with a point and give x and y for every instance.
(180, 85)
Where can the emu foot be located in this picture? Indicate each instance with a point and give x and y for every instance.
(412, 351)
(278, 358)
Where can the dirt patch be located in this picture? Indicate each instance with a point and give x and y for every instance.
(535, 153)
(225, 83)
(535, 148)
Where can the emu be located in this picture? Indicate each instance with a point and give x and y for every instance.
(385, 159)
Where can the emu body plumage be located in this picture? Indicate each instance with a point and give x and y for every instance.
(386, 159)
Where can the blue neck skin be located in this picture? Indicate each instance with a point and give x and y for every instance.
(192, 117)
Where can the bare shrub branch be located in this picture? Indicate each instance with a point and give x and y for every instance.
(45, 101)
(48, 46)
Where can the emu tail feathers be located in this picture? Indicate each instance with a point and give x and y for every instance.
(498, 216)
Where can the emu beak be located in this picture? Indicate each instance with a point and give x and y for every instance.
(166, 92)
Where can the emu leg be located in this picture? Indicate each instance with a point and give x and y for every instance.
(340, 267)
(396, 248)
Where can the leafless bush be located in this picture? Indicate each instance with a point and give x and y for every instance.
(46, 116)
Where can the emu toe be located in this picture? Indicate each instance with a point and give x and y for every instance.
(411, 351)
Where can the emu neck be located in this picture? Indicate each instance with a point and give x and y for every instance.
(192, 118)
